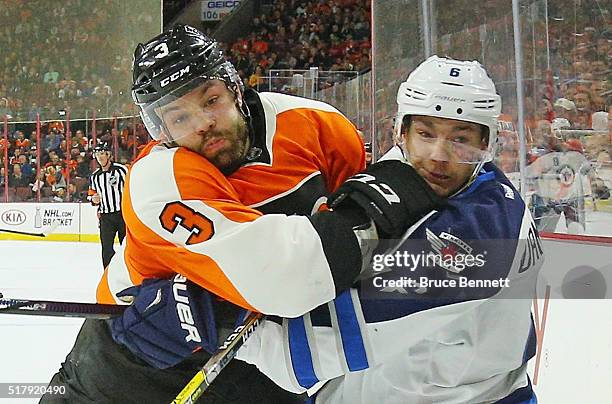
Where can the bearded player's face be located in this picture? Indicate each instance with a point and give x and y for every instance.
(207, 121)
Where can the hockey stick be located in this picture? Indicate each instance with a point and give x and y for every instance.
(59, 309)
(44, 233)
(224, 354)
(23, 232)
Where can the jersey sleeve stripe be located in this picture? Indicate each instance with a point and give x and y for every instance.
(369, 352)
(116, 278)
(350, 332)
(311, 335)
(119, 276)
(301, 356)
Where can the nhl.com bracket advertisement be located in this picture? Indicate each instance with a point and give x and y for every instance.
(31, 217)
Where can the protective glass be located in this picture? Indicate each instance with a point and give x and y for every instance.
(438, 148)
(189, 109)
(451, 151)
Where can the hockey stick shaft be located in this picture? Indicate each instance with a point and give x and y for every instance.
(22, 232)
(60, 309)
(224, 354)
(45, 233)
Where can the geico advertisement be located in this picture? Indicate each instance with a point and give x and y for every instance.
(34, 217)
(216, 10)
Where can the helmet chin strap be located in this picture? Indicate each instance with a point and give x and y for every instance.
(469, 181)
(253, 152)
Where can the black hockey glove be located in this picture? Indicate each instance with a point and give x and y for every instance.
(391, 193)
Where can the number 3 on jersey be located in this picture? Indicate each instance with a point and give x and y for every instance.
(178, 214)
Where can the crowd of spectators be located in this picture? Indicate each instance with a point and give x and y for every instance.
(569, 105)
(566, 58)
(66, 161)
(332, 35)
(69, 55)
(567, 50)
(51, 66)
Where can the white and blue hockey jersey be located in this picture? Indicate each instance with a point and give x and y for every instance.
(424, 343)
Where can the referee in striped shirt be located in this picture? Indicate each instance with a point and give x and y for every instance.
(105, 192)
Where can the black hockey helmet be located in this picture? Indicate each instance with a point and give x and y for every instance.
(101, 147)
(174, 63)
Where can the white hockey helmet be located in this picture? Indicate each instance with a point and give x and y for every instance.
(452, 89)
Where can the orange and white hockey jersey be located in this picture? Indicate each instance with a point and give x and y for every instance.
(183, 216)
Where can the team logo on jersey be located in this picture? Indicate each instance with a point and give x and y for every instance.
(452, 253)
(567, 175)
(508, 191)
(113, 180)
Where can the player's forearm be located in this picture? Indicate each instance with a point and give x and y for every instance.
(343, 234)
(295, 266)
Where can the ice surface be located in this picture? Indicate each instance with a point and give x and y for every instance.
(33, 347)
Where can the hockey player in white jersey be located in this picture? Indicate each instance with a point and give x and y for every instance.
(431, 340)
(561, 181)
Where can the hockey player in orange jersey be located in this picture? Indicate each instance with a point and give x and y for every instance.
(223, 198)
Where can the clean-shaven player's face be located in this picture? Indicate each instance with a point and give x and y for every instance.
(437, 149)
(207, 121)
